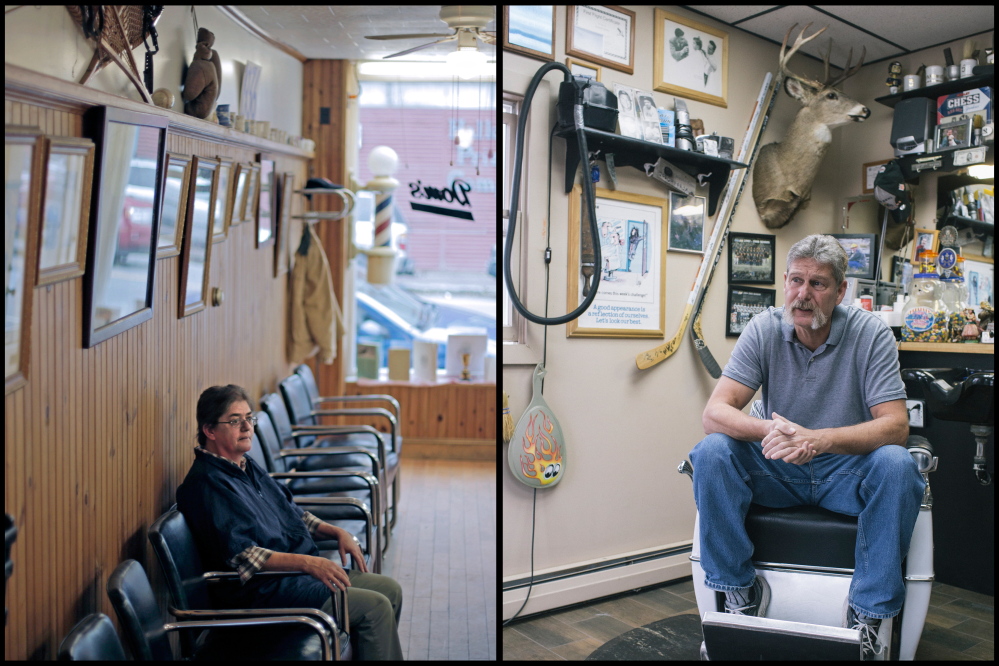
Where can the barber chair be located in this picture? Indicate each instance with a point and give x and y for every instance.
(347, 512)
(92, 639)
(302, 408)
(806, 555)
(349, 448)
(236, 635)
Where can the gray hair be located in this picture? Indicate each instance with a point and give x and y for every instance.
(823, 249)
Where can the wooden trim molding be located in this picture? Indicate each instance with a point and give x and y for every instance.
(246, 24)
(24, 85)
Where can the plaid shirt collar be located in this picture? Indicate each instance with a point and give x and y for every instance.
(241, 464)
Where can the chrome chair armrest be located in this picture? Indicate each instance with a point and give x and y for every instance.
(325, 619)
(325, 637)
(317, 430)
(376, 464)
(357, 411)
(371, 480)
(361, 506)
(374, 397)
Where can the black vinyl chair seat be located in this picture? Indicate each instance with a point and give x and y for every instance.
(803, 535)
(92, 639)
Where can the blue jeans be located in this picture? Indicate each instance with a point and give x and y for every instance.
(883, 488)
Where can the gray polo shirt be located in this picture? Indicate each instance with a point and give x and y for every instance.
(834, 386)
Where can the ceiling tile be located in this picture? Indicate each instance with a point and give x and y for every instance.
(909, 27)
(730, 13)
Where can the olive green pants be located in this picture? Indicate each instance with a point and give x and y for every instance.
(374, 603)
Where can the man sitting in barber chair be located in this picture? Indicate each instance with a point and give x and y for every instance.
(835, 438)
(243, 520)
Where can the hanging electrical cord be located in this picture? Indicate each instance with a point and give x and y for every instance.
(564, 123)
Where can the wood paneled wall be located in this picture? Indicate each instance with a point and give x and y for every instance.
(99, 439)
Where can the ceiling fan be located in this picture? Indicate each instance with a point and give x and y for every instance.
(467, 22)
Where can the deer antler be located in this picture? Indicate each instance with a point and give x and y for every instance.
(847, 71)
(800, 41)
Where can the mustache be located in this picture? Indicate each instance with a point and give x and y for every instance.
(801, 304)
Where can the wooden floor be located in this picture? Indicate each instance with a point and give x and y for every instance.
(443, 553)
(959, 625)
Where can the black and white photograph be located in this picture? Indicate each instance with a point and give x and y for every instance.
(691, 59)
(861, 253)
(686, 223)
(648, 116)
(627, 115)
(751, 258)
(744, 303)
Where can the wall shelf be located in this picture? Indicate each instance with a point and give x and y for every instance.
(636, 153)
(949, 347)
(934, 91)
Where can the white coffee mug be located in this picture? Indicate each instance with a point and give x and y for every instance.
(911, 82)
(967, 65)
(934, 75)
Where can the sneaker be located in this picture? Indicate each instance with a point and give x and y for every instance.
(757, 604)
(869, 629)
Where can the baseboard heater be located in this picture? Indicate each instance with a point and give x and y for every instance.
(627, 560)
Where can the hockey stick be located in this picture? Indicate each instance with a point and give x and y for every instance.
(653, 356)
(710, 364)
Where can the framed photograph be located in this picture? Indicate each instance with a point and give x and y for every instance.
(686, 222)
(897, 267)
(178, 177)
(265, 207)
(196, 251)
(953, 135)
(924, 239)
(23, 167)
(631, 298)
(580, 68)
(126, 205)
(602, 34)
(751, 258)
(241, 178)
(870, 172)
(530, 30)
(861, 254)
(627, 116)
(690, 60)
(744, 303)
(220, 216)
(62, 246)
(252, 193)
(281, 261)
(979, 276)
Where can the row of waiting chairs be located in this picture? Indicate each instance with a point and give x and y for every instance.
(330, 470)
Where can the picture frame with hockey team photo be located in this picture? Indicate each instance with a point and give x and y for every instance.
(751, 258)
(744, 303)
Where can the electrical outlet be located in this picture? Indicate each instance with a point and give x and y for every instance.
(916, 409)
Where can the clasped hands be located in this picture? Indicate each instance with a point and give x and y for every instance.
(789, 442)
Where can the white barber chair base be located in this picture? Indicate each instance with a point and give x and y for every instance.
(804, 619)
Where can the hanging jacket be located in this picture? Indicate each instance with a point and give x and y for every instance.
(316, 319)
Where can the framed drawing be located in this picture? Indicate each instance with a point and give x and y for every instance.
(265, 208)
(979, 275)
(601, 34)
(690, 60)
(62, 245)
(744, 303)
(220, 215)
(126, 205)
(631, 299)
(178, 176)
(530, 30)
(686, 222)
(924, 239)
(751, 258)
(23, 166)
(196, 251)
(580, 68)
(283, 228)
(861, 254)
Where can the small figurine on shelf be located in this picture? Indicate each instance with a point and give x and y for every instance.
(894, 79)
(986, 322)
(970, 330)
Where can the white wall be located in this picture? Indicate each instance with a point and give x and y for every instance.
(45, 39)
(627, 429)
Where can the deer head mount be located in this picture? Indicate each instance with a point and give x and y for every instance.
(784, 171)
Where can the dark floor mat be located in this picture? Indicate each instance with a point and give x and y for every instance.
(677, 637)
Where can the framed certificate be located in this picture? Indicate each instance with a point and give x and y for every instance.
(602, 34)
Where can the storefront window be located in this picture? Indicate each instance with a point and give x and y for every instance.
(444, 219)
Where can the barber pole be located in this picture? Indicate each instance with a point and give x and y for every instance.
(383, 219)
(383, 162)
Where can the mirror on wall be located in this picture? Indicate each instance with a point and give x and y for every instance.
(125, 217)
(197, 245)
